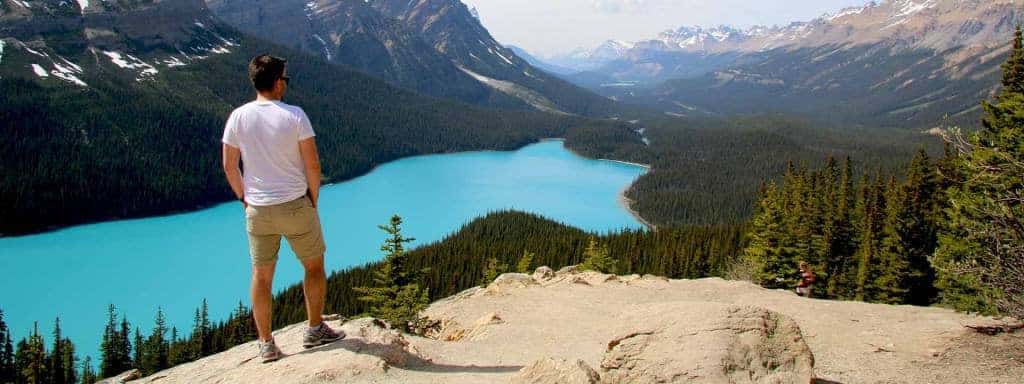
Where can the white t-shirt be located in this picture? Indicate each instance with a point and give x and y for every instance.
(268, 135)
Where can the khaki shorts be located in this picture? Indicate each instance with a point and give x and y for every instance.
(296, 220)
(804, 291)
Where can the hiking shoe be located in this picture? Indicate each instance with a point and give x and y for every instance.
(321, 335)
(269, 351)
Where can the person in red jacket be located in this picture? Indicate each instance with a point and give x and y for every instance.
(803, 288)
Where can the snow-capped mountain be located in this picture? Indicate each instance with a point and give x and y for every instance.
(133, 39)
(584, 59)
(910, 61)
(437, 47)
(698, 39)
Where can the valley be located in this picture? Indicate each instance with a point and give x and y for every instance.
(112, 111)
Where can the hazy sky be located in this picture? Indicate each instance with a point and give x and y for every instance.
(547, 27)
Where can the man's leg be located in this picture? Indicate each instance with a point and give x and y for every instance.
(314, 287)
(262, 281)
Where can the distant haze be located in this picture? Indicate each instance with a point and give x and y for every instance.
(550, 27)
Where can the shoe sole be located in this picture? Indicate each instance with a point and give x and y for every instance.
(321, 342)
(272, 359)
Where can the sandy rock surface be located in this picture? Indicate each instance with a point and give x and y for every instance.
(560, 328)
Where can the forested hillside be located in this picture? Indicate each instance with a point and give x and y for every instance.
(105, 135)
(708, 171)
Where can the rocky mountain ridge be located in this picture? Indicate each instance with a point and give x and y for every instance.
(437, 47)
(585, 327)
(906, 63)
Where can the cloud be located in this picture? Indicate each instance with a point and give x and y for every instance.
(619, 6)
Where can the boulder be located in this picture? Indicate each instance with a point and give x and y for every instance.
(369, 336)
(725, 344)
(125, 376)
(568, 270)
(543, 273)
(509, 281)
(556, 371)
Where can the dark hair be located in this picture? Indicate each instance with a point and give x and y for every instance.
(264, 70)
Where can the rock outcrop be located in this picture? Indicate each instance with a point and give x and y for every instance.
(721, 344)
(586, 327)
(556, 371)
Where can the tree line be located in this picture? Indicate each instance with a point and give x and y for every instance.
(950, 232)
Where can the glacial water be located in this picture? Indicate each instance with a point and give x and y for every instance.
(176, 261)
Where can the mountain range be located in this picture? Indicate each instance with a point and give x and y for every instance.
(124, 101)
(436, 47)
(896, 62)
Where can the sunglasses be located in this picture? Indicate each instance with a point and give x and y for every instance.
(286, 79)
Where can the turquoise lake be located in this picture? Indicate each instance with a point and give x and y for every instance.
(176, 261)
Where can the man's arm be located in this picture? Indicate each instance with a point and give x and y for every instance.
(311, 160)
(231, 156)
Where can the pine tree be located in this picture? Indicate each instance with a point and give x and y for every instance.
(596, 257)
(69, 362)
(88, 375)
(840, 260)
(525, 262)
(396, 255)
(56, 360)
(981, 244)
(919, 229)
(772, 262)
(398, 295)
(201, 339)
(206, 347)
(887, 272)
(124, 351)
(492, 269)
(110, 363)
(154, 353)
(31, 358)
(176, 354)
(872, 218)
(7, 368)
(137, 355)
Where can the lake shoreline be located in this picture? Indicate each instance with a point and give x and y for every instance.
(327, 181)
(627, 203)
(624, 201)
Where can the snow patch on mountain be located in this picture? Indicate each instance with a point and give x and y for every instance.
(83, 4)
(498, 53)
(910, 7)
(846, 12)
(327, 50)
(1, 51)
(132, 62)
(525, 94)
(67, 73)
(39, 70)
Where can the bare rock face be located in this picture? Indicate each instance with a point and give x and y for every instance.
(568, 270)
(556, 371)
(726, 344)
(124, 377)
(369, 336)
(543, 274)
(509, 281)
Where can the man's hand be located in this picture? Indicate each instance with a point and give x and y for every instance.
(231, 157)
(311, 160)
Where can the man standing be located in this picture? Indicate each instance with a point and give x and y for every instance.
(279, 191)
(807, 278)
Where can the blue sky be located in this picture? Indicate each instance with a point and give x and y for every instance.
(549, 27)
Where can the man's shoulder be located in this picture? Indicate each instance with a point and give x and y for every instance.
(293, 109)
(243, 108)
